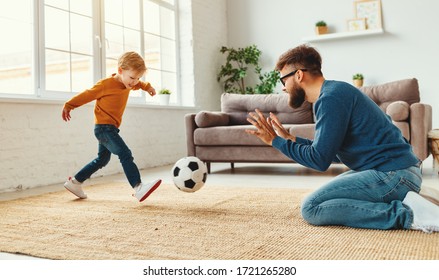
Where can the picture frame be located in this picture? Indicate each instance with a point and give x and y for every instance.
(356, 24)
(371, 11)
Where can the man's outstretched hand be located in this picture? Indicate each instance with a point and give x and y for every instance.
(264, 129)
(280, 130)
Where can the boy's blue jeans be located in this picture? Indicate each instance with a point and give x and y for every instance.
(364, 199)
(110, 142)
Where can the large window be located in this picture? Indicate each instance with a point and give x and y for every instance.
(16, 49)
(60, 47)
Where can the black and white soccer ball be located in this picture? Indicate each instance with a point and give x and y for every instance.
(189, 174)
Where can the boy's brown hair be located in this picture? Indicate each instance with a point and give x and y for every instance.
(131, 61)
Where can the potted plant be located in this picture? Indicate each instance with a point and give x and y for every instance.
(238, 66)
(358, 79)
(164, 95)
(321, 27)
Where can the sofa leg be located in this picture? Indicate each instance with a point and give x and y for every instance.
(208, 167)
(232, 165)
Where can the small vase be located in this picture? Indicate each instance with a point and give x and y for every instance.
(164, 99)
(358, 83)
(321, 30)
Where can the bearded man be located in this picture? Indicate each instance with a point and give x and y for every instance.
(381, 189)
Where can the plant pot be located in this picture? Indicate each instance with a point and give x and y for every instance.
(321, 30)
(164, 99)
(358, 83)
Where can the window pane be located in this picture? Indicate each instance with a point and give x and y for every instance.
(114, 40)
(81, 34)
(68, 37)
(169, 81)
(136, 93)
(154, 78)
(57, 29)
(111, 67)
(57, 71)
(82, 72)
(151, 17)
(16, 51)
(82, 7)
(152, 51)
(167, 23)
(132, 40)
(131, 14)
(172, 2)
(113, 10)
(122, 30)
(62, 4)
(168, 55)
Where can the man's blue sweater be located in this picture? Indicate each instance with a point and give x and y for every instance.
(350, 128)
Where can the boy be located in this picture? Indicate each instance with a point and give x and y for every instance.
(111, 95)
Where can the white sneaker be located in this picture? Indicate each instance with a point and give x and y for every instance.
(144, 190)
(75, 188)
(425, 213)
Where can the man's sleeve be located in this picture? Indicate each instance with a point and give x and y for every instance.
(332, 119)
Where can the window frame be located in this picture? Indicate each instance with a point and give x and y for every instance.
(98, 65)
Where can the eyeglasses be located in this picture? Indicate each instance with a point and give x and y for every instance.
(289, 74)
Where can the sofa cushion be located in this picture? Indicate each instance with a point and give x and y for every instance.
(207, 119)
(237, 106)
(398, 110)
(404, 90)
(303, 130)
(235, 135)
(241, 154)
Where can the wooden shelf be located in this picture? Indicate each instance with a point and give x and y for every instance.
(343, 35)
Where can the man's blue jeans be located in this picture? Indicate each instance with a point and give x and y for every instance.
(365, 199)
(110, 142)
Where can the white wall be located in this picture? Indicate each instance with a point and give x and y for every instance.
(204, 31)
(409, 47)
(210, 33)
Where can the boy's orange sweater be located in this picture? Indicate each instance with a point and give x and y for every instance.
(111, 99)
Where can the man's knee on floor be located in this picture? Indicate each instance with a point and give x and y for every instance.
(308, 213)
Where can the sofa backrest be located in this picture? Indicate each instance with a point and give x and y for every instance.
(403, 90)
(237, 106)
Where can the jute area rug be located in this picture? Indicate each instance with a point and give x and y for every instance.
(214, 223)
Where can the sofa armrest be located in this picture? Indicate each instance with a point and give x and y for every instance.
(190, 125)
(398, 111)
(421, 118)
(209, 119)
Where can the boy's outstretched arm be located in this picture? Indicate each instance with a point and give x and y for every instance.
(151, 91)
(66, 114)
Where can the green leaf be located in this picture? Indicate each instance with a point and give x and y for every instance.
(234, 72)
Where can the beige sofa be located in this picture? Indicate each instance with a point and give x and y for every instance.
(221, 136)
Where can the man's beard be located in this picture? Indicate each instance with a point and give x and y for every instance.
(296, 97)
